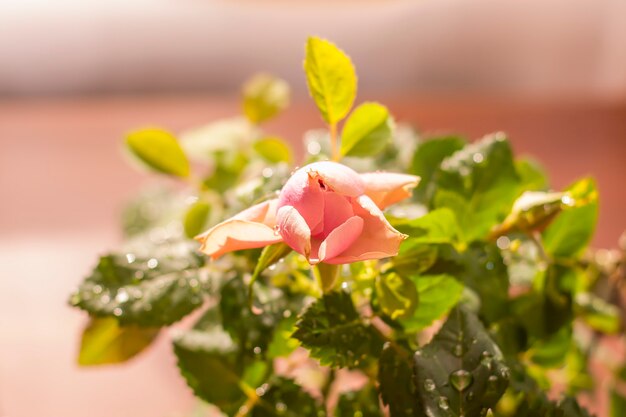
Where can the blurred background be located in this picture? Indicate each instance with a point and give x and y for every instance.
(75, 75)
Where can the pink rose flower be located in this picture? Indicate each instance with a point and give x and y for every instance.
(326, 212)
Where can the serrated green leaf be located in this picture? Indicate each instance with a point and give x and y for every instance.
(363, 403)
(396, 295)
(479, 184)
(196, 218)
(331, 79)
(397, 390)
(427, 159)
(572, 230)
(135, 288)
(284, 397)
(208, 361)
(105, 342)
(273, 149)
(334, 333)
(264, 96)
(461, 371)
(367, 131)
(597, 313)
(159, 150)
(437, 294)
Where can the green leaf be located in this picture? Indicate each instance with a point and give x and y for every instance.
(254, 331)
(397, 295)
(196, 218)
(426, 161)
(532, 175)
(334, 333)
(159, 150)
(269, 256)
(551, 352)
(533, 210)
(437, 226)
(264, 96)
(479, 183)
(284, 397)
(146, 290)
(282, 344)
(618, 404)
(597, 313)
(105, 342)
(414, 258)
(397, 390)
(367, 131)
(437, 294)
(208, 360)
(273, 150)
(572, 230)
(331, 79)
(363, 403)
(461, 371)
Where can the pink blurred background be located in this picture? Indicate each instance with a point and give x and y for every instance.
(75, 75)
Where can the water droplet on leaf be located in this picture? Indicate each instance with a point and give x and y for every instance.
(461, 379)
(429, 385)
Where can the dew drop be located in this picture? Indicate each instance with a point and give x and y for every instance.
(267, 172)
(139, 274)
(503, 242)
(461, 379)
(121, 296)
(130, 258)
(314, 148)
(287, 314)
(152, 263)
(281, 407)
(97, 289)
(478, 157)
(193, 283)
(429, 385)
(489, 265)
(105, 299)
(443, 403)
(117, 312)
(257, 350)
(492, 380)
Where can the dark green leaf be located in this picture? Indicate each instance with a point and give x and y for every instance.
(572, 230)
(335, 334)
(367, 131)
(283, 397)
(461, 371)
(396, 295)
(362, 403)
(196, 218)
(552, 352)
(105, 342)
(597, 313)
(437, 294)
(397, 390)
(331, 79)
(427, 159)
(147, 290)
(159, 150)
(208, 360)
(264, 96)
(478, 183)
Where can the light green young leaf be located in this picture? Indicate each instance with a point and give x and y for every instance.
(331, 79)
(397, 295)
(437, 294)
(159, 150)
(273, 150)
(105, 342)
(572, 230)
(437, 226)
(532, 175)
(264, 96)
(367, 131)
(196, 218)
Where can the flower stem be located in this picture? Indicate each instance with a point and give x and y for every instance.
(334, 149)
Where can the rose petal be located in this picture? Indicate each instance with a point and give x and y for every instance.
(294, 230)
(337, 209)
(340, 238)
(304, 194)
(378, 238)
(386, 188)
(252, 228)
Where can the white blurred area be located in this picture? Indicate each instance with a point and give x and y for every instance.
(536, 48)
